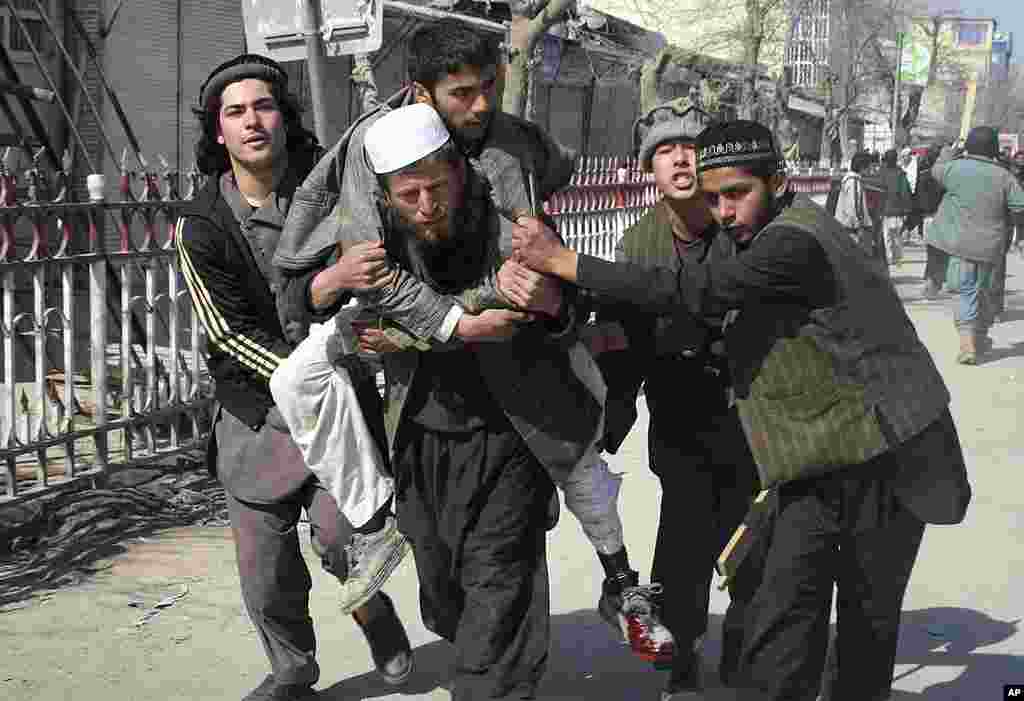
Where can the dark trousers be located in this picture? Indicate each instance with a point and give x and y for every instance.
(998, 293)
(708, 479)
(275, 580)
(935, 266)
(846, 529)
(474, 506)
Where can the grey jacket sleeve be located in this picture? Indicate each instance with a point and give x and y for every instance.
(408, 301)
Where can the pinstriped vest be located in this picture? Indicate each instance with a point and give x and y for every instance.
(852, 382)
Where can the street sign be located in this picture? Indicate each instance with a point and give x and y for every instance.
(277, 28)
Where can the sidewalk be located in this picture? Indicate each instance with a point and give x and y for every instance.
(106, 638)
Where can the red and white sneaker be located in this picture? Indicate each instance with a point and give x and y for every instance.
(633, 610)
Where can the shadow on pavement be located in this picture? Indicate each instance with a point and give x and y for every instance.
(996, 354)
(954, 638)
(1011, 315)
(587, 662)
(433, 667)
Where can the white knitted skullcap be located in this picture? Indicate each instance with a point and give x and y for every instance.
(403, 136)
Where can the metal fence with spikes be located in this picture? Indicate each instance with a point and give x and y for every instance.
(606, 196)
(102, 364)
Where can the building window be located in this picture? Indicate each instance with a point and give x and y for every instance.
(11, 34)
(808, 52)
(971, 34)
(36, 30)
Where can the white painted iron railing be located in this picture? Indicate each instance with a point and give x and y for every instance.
(102, 364)
(102, 358)
(607, 195)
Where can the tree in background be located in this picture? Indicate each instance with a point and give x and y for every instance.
(530, 21)
(745, 32)
(931, 34)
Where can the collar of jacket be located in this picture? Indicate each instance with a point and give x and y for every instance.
(301, 162)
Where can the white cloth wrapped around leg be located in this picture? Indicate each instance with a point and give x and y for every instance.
(319, 404)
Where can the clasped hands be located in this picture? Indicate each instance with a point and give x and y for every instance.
(365, 267)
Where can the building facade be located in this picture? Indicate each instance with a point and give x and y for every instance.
(155, 54)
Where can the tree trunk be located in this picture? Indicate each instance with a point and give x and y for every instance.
(524, 35)
(363, 79)
(905, 127)
(518, 72)
(844, 137)
(650, 75)
(748, 108)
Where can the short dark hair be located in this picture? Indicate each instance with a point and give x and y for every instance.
(764, 171)
(860, 162)
(212, 157)
(449, 46)
(890, 158)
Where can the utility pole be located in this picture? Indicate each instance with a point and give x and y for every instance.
(896, 89)
(316, 58)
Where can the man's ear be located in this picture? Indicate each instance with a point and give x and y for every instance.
(423, 95)
(777, 184)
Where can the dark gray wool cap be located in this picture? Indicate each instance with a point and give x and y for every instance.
(678, 120)
(240, 68)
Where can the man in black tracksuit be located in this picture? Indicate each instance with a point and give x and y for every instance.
(255, 151)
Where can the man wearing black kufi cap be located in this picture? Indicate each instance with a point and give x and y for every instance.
(843, 407)
(255, 152)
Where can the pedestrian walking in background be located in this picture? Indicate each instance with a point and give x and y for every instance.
(852, 205)
(910, 163)
(927, 198)
(973, 225)
(898, 205)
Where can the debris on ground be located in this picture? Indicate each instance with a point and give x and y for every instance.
(164, 603)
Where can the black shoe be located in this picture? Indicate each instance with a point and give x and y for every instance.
(389, 645)
(684, 679)
(271, 690)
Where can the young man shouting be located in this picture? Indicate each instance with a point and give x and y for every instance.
(843, 408)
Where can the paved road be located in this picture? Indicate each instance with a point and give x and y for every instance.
(961, 638)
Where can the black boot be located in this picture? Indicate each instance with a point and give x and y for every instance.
(389, 645)
(271, 690)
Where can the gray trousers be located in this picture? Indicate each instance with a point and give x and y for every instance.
(274, 577)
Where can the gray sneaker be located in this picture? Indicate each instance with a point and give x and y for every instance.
(371, 560)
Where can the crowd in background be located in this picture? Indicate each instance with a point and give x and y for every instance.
(960, 201)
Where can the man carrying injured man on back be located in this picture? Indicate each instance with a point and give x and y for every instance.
(454, 71)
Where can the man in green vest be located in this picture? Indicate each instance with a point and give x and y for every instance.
(707, 474)
(844, 410)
